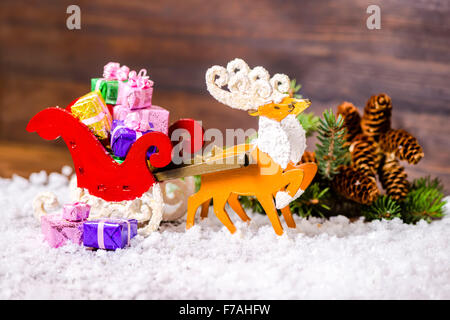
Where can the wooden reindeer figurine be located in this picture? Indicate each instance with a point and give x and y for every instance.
(281, 141)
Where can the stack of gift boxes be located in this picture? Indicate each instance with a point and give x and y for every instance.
(118, 111)
(72, 225)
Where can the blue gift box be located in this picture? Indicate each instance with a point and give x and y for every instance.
(122, 138)
(109, 233)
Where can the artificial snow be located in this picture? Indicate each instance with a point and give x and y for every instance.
(321, 259)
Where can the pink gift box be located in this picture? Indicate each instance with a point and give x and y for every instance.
(134, 98)
(77, 211)
(137, 92)
(57, 231)
(154, 118)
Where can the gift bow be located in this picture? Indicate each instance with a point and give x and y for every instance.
(135, 121)
(139, 80)
(113, 71)
(116, 129)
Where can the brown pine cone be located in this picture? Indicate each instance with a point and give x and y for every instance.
(308, 156)
(356, 186)
(376, 119)
(393, 177)
(402, 144)
(364, 153)
(352, 120)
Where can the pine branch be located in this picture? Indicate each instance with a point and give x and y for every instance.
(331, 153)
(294, 88)
(309, 122)
(424, 201)
(312, 202)
(427, 182)
(382, 208)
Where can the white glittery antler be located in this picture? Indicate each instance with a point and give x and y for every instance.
(248, 88)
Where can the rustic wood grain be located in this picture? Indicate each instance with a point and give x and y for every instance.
(24, 159)
(324, 44)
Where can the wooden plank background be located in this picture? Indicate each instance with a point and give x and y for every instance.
(324, 44)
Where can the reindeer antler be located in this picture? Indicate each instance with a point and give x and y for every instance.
(248, 88)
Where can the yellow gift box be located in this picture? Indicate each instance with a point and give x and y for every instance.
(91, 110)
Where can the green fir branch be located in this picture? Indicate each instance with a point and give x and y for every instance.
(330, 152)
(312, 202)
(424, 201)
(294, 88)
(382, 208)
(309, 122)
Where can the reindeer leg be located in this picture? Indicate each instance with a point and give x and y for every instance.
(194, 202)
(219, 209)
(287, 214)
(269, 207)
(205, 209)
(233, 201)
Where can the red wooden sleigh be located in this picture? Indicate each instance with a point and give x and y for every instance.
(96, 170)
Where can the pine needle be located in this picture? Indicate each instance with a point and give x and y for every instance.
(309, 122)
(382, 208)
(424, 201)
(331, 153)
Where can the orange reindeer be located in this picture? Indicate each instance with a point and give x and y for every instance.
(281, 141)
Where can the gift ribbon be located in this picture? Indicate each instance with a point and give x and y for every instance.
(139, 80)
(113, 134)
(138, 133)
(94, 119)
(132, 121)
(101, 227)
(120, 112)
(135, 121)
(98, 84)
(113, 71)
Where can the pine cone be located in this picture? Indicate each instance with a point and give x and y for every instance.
(352, 119)
(354, 185)
(308, 156)
(365, 155)
(402, 144)
(377, 116)
(393, 177)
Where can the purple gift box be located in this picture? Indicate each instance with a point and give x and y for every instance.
(123, 137)
(57, 231)
(77, 211)
(109, 234)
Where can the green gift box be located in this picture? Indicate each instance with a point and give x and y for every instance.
(108, 88)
